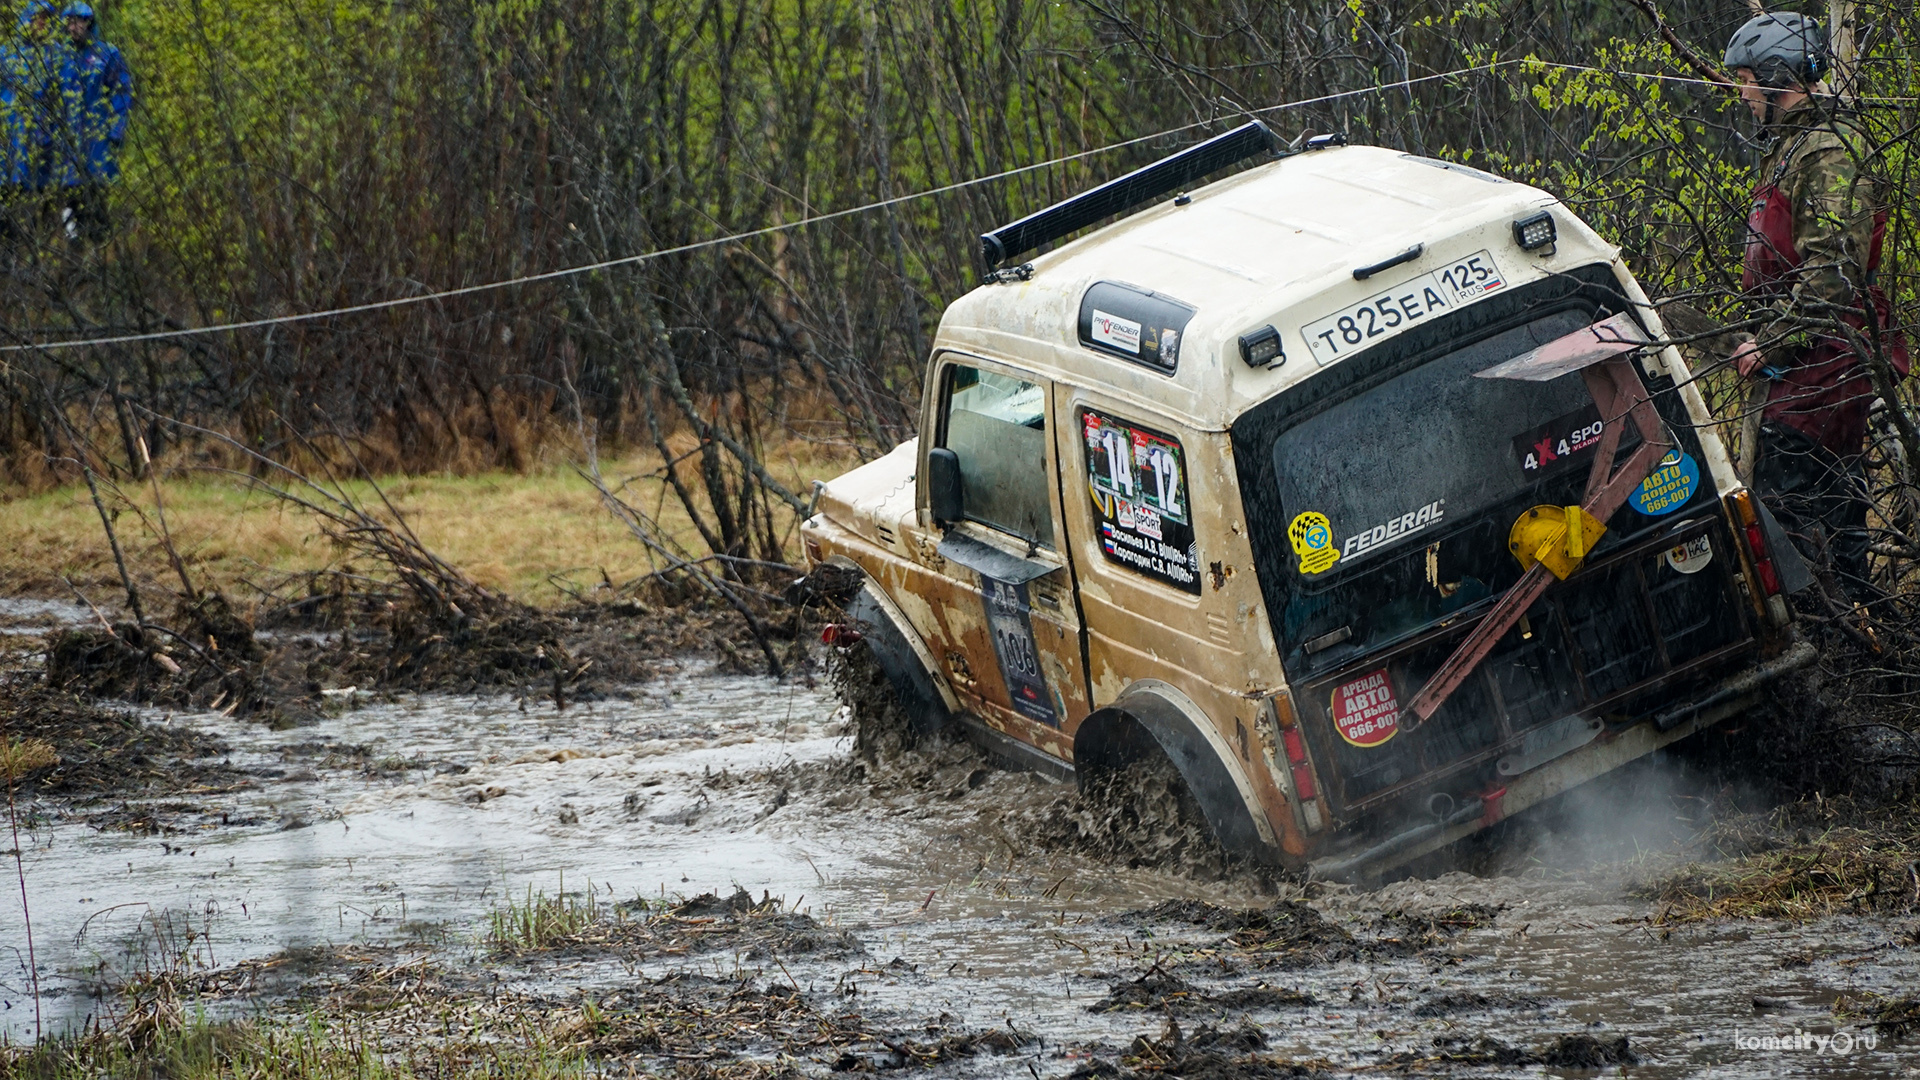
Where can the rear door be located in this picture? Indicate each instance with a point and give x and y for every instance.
(1381, 497)
(1008, 627)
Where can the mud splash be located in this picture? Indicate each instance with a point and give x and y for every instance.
(732, 840)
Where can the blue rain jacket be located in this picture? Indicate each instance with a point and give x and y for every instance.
(30, 110)
(96, 90)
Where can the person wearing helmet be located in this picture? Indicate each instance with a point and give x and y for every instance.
(1814, 235)
(97, 94)
(29, 96)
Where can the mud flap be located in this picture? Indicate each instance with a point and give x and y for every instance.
(919, 697)
(1794, 573)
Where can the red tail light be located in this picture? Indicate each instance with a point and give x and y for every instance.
(1303, 783)
(1748, 518)
(1296, 748)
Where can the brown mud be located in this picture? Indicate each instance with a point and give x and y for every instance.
(1227, 973)
(96, 751)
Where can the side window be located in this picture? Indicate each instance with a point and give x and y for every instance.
(997, 426)
(1137, 480)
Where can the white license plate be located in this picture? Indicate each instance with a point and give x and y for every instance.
(1409, 303)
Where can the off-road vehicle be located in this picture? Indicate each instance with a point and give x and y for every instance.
(1362, 486)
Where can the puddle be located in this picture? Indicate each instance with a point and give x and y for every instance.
(20, 615)
(408, 820)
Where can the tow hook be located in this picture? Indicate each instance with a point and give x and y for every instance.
(1490, 805)
(841, 634)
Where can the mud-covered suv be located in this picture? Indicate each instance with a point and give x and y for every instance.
(1360, 485)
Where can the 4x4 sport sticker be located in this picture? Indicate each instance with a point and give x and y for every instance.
(1671, 484)
(1364, 710)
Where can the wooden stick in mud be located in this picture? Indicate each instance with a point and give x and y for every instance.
(113, 541)
(160, 511)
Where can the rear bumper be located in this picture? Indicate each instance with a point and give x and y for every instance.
(1732, 695)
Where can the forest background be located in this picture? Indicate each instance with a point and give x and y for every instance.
(290, 156)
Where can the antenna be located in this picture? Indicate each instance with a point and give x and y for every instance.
(1250, 139)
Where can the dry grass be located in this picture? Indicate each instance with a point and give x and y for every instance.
(18, 757)
(1853, 862)
(529, 535)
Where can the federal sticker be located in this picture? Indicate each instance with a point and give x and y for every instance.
(1312, 537)
(1115, 331)
(1365, 712)
(1671, 484)
(1692, 556)
(1406, 524)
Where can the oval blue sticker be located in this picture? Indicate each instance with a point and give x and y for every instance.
(1669, 486)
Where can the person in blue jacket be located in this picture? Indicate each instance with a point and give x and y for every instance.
(29, 104)
(97, 93)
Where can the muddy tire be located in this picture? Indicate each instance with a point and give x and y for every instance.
(1145, 815)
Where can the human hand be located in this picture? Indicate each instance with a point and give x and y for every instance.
(1748, 359)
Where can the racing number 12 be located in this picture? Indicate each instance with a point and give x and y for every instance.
(1166, 479)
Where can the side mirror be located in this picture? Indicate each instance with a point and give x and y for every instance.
(944, 496)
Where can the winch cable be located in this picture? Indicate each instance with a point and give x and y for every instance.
(1530, 63)
(714, 242)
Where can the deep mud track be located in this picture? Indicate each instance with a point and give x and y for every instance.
(730, 866)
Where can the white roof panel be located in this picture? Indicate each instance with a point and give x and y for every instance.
(1276, 244)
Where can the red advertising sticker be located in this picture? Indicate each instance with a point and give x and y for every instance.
(1365, 711)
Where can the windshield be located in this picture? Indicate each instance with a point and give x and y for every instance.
(1428, 448)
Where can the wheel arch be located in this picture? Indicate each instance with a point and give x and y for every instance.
(1152, 715)
(903, 657)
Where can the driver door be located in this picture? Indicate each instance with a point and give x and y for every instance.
(1008, 618)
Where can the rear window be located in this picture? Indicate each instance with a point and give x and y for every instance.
(1427, 448)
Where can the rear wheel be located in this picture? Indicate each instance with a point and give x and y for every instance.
(1135, 807)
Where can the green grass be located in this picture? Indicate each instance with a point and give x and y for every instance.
(541, 921)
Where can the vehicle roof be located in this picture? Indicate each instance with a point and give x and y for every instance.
(1276, 244)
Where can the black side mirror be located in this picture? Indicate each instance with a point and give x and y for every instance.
(944, 496)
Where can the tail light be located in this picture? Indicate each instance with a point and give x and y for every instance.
(1294, 745)
(1747, 516)
(1297, 761)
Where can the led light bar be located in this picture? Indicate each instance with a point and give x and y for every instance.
(1251, 139)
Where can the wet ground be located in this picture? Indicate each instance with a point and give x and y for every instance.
(394, 826)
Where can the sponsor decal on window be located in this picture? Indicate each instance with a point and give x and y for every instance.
(1114, 331)
(1137, 481)
(1312, 537)
(1405, 525)
(1559, 444)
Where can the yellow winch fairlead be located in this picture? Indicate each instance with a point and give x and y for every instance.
(1559, 536)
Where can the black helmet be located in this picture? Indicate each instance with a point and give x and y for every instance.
(1782, 48)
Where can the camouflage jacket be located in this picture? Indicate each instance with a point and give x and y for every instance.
(1823, 164)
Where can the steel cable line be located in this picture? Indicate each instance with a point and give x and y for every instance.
(699, 245)
(722, 241)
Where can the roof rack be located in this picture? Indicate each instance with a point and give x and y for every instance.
(1250, 139)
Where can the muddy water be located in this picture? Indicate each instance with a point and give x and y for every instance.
(407, 820)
